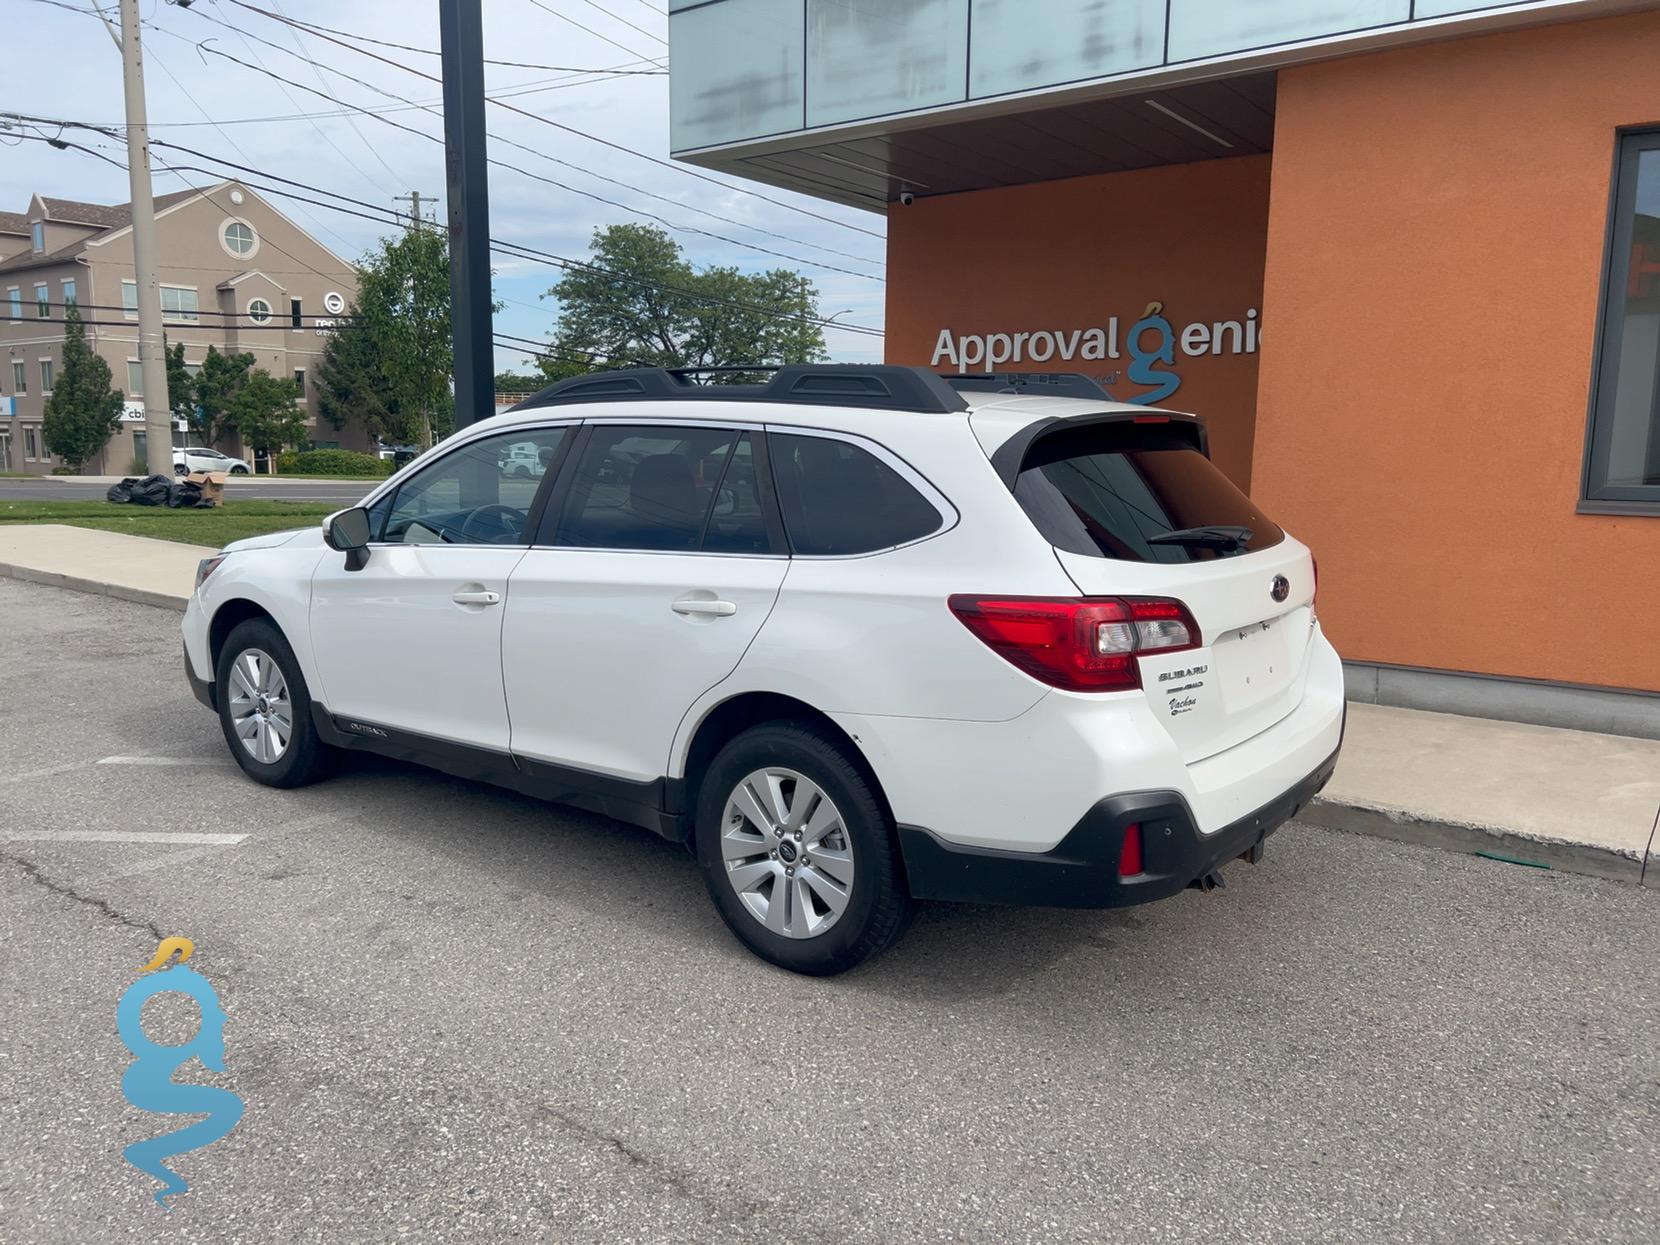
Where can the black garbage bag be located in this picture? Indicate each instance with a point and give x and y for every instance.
(151, 491)
(184, 495)
(122, 492)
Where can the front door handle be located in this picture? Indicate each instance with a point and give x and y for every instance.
(479, 597)
(706, 608)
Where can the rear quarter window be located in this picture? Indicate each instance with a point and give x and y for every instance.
(1105, 490)
(840, 499)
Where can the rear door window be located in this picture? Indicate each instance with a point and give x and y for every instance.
(840, 499)
(664, 489)
(1138, 494)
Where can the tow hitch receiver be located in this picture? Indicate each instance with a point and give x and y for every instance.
(1253, 854)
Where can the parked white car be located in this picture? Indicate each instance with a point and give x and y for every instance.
(856, 637)
(196, 458)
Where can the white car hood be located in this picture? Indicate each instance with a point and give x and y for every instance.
(299, 537)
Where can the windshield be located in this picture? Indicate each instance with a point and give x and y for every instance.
(1113, 490)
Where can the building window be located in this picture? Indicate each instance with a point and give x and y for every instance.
(259, 311)
(15, 297)
(129, 299)
(195, 369)
(178, 303)
(37, 235)
(47, 371)
(135, 379)
(43, 302)
(1622, 469)
(295, 313)
(68, 294)
(31, 443)
(20, 377)
(238, 237)
(299, 381)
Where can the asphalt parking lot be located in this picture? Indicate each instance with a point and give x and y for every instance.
(456, 1014)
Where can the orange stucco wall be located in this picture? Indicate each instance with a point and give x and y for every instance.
(1068, 255)
(1435, 249)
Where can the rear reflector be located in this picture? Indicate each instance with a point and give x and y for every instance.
(1129, 859)
(1081, 644)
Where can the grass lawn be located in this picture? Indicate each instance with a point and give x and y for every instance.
(191, 527)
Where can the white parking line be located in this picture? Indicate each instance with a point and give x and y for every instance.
(165, 861)
(179, 839)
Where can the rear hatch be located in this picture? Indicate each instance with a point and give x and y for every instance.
(1135, 508)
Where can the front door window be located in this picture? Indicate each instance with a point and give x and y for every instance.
(480, 494)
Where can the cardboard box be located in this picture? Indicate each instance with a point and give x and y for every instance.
(213, 486)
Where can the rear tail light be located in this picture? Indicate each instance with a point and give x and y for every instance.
(1129, 858)
(1314, 601)
(1081, 644)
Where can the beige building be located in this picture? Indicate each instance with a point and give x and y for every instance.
(235, 274)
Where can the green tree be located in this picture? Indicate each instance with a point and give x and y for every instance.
(639, 303)
(403, 302)
(266, 412)
(181, 385)
(519, 382)
(352, 386)
(83, 411)
(215, 389)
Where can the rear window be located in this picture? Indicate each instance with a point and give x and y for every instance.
(1107, 490)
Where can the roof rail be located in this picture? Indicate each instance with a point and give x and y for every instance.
(873, 386)
(1030, 384)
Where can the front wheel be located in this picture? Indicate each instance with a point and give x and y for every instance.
(239, 471)
(798, 851)
(179, 469)
(265, 708)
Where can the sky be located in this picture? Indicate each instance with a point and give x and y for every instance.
(62, 64)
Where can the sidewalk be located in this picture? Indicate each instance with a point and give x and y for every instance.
(1536, 795)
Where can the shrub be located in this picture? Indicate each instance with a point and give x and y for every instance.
(136, 466)
(336, 463)
(288, 460)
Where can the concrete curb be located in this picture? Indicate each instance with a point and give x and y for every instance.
(137, 596)
(1402, 826)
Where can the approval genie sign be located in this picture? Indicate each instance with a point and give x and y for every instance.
(1151, 342)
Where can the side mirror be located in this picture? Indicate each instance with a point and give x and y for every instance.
(348, 531)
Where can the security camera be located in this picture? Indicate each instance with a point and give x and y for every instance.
(906, 198)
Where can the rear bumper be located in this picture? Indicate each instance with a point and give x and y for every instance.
(1081, 871)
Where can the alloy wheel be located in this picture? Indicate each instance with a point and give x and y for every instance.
(788, 855)
(261, 712)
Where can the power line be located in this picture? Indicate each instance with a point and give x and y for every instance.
(383, 216)
(262, 68)
(618, 17)
(522, 171)
(585, 29)
(667, 164)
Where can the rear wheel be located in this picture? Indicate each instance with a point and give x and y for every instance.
(798, 852)
(179, 469)
(239, 470)
(265, 708)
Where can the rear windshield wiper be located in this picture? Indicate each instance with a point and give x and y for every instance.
(1226, 537)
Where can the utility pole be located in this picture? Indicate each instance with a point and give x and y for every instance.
(415, 197)
(152, 358)
(461, 30)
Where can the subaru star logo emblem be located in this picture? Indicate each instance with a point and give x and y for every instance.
(1281, 588)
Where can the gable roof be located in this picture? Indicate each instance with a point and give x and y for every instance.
(14, 222)
(107, 218)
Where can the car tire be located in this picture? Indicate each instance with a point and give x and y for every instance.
(180, 469)
(256, 657)
(733, 852)
(239, 471)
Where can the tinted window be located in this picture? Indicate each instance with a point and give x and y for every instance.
(1624, 461)
(1106, 490)
(664, 489)
(840, 499)
(480, 494)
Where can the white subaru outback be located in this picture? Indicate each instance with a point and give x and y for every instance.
(856, 636)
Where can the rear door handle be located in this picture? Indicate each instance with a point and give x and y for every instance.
(711, 609)
(480, 597)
